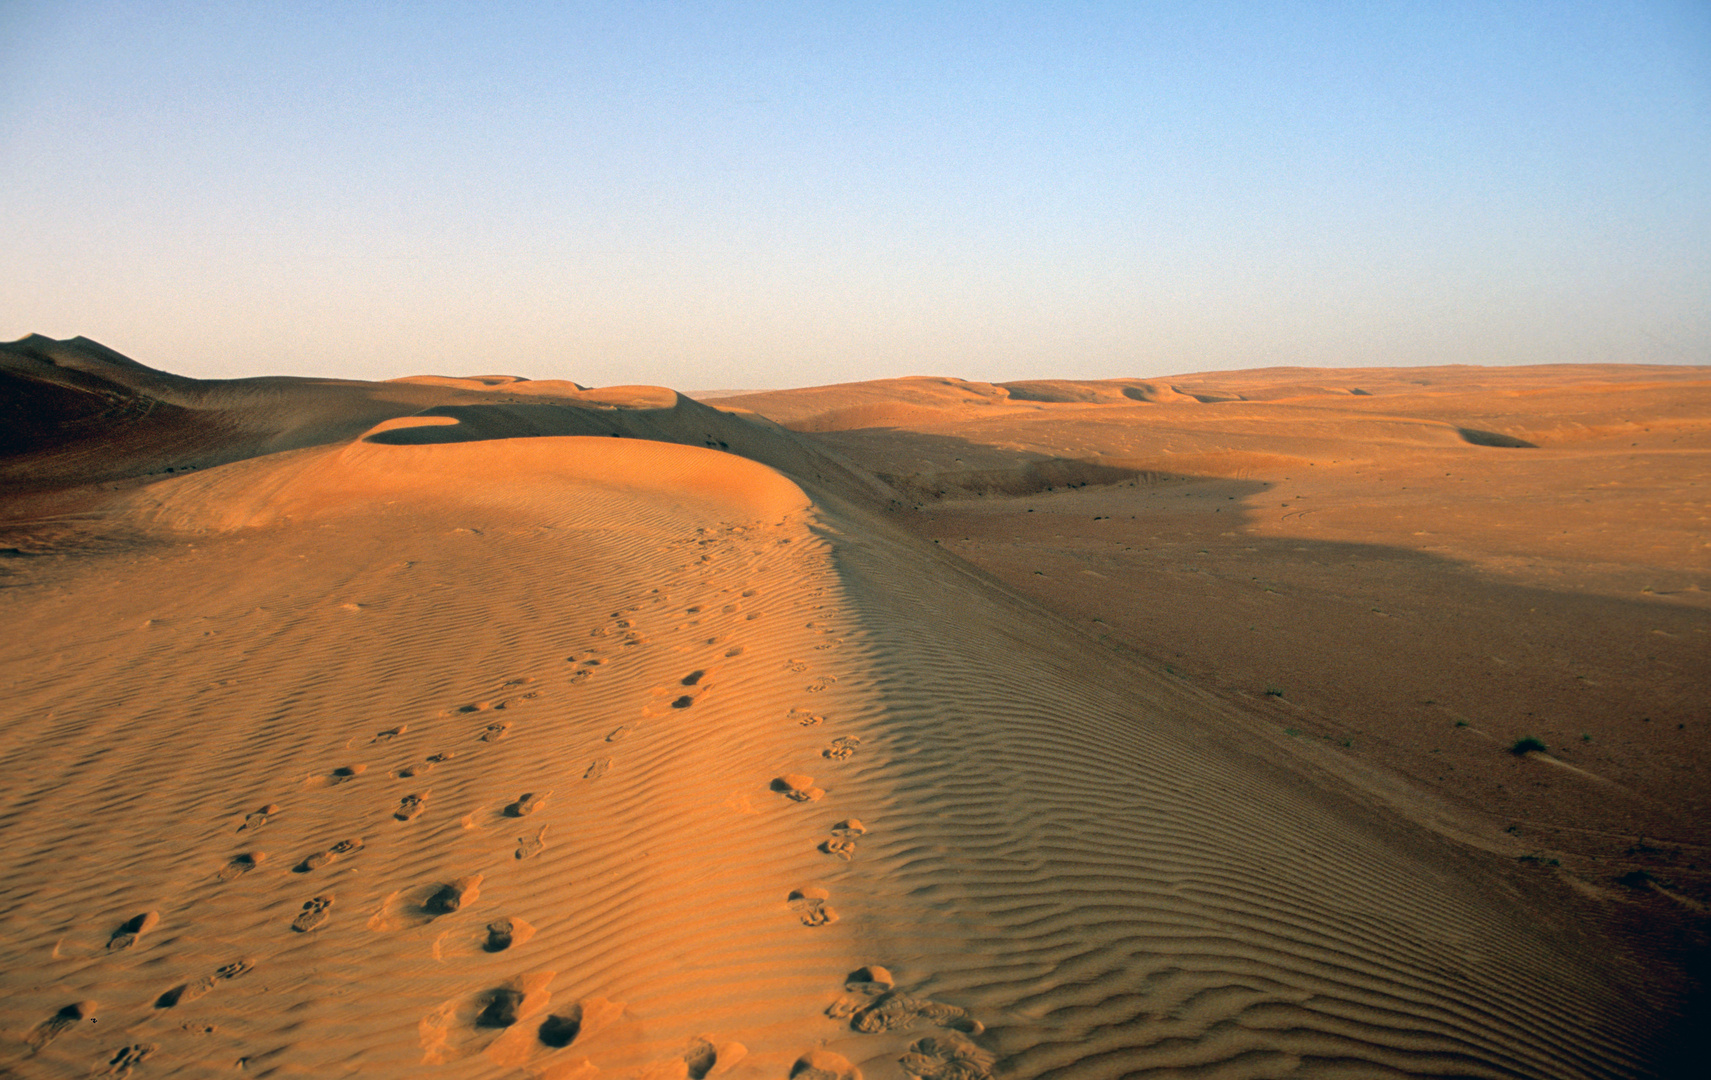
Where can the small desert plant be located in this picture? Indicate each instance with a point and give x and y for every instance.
(1527, 745)
(1274, 691)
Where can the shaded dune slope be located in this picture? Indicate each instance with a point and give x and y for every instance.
(570, 756)
(1140, 893)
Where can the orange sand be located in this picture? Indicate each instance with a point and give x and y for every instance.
(427, 729)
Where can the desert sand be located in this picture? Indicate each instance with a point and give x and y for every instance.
(485, 727)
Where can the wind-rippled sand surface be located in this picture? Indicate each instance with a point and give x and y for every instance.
(427, 729)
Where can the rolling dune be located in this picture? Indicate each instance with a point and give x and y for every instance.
(441, 733)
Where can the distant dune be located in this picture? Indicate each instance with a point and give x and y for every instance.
(475, 727)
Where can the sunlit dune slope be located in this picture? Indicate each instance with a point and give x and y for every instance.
(465, 746)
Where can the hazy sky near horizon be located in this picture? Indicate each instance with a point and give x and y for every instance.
(763, 195)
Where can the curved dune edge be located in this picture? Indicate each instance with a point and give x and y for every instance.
(462, 382)
(547, 474)
(403, 423)
(629, 396)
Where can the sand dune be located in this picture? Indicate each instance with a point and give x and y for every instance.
(427, 729)
(1411, 568)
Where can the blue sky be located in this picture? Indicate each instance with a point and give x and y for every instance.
(755, 195)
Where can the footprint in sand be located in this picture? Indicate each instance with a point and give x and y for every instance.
(494, 732)
(824, 1065)
(843, 849)
(344, 774)
(700, 1058)
(526, 804)
(314, 915)
(503, 1007)
(797, 788)
(849, 828)
(530, 846)
(504, 933)
(806, 718)
(560, 1030)
(580, 1020)
(422, 904)
(597, 769)
(122, 1061)
(58, 1024)
(683, 702)
(618, 733)
(466, 1026)
(389, 734)
(872, 1007)
(241, 865)
(811, 905)
(259, 818)
(798, 666)
(871, 980)
(947, 1057)
(426, 764)
(454, 895)
(322, 858)
(843, 748)
(824, 682)
(132, 930)
(190, 991)
(410, 807)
